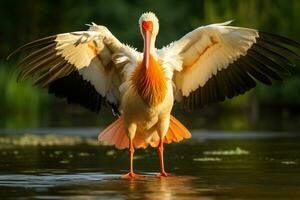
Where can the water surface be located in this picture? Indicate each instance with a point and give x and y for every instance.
(213, 165)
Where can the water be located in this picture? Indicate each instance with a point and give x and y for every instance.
(212, 165)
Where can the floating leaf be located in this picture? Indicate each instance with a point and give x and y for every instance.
(288, 162)
(208, 159)
(237, 151)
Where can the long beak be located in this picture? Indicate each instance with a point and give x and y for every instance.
(147, 43)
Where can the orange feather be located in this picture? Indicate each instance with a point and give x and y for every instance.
(150, 83)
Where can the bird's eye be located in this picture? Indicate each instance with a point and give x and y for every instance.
(147, 25)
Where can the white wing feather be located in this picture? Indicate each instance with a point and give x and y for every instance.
(93, 53)
(96, 54)
(207, 50)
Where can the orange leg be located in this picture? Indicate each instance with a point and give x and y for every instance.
(131, 174)
(160, 150)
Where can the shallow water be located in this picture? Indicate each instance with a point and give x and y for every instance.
(210, 166)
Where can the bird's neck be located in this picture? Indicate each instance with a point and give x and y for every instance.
(150, 83)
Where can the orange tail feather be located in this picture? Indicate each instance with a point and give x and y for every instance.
(115, 134)
(176, 132)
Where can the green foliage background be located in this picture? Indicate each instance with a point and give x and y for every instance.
(22, 105)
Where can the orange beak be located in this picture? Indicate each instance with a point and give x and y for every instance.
(147, 27)
(147, 48)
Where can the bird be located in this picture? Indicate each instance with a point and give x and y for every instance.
(211, 63)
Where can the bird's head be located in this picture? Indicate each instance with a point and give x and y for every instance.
(149, 23)
(149, 28)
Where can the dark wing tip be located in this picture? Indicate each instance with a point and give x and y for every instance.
(279, 39)
(35, 43)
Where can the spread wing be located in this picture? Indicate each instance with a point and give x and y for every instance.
(220, 61)
(85, 67)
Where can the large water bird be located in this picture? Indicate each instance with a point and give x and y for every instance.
(207, 65)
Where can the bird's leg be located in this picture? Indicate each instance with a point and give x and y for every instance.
(131, 152)
(130, 174)
(160, 150)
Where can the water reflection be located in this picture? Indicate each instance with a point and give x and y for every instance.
(162, 188)
(107, 185)
(45, 180)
